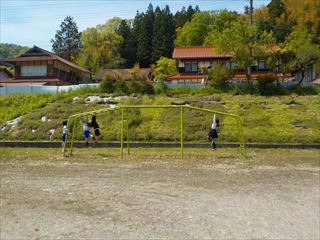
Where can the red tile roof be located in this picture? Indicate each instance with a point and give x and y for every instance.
(198, 52)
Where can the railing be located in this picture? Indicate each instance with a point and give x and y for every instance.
(33, 88)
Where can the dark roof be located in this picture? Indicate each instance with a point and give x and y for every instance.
(10, 75)
(36, 80)
(190, 52)
(122, 73)
(37, 53)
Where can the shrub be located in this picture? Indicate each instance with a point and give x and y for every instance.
(308, 90)
(161, 87)
(148, 87)
(121, 87)
(107, 85)
(218, 76)
(134, 86)
(264, 82)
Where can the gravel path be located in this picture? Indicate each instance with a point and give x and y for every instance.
(42, 200)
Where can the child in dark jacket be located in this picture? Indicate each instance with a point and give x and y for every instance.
(212, 135)
(94, 124)
(64, 133)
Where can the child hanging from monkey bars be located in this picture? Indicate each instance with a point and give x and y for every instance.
(86, 133)
(213, 132)
(96, 129)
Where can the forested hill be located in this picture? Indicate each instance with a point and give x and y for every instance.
(11, 50)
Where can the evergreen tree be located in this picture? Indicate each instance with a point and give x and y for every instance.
(67, 41)
(276, 8)
(127, 48)
(163, 34)
(277, 20)
(183, 16)
(144, 30)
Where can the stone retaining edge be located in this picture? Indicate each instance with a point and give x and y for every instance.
(46, 144)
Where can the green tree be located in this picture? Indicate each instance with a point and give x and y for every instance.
(276, 8)
(11, 50)
(198, 31)
(222, 19)
(305, 52)
(66, 42)
(246, 43)
(195, 31)
(100, 47)
(127, 47)
(163, 34)
(183, 16)
(143, 32)
(164, 67)
(218, 76)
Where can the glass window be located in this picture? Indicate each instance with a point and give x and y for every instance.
(34, 71)
(191, 67)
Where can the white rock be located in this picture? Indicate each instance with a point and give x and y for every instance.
(75, 99)
(51, 131)
(14, 122)
(43, 118)
(112, 105)
(49, 120)
(33, 130)
(120, 97)
(91, 99)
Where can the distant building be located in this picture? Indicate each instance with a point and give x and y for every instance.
(5, 74)
(125, 74)
(194, 62)
(42, 67)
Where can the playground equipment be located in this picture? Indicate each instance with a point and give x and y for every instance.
(73, 119)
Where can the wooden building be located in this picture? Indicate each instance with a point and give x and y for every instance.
(194, 62)
(5, 74)
(40, 66)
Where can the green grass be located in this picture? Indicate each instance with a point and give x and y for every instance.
(280, 119)
(168, 156)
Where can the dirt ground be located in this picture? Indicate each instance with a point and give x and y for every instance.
(269, 195)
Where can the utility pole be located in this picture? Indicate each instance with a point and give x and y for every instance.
(251, 12)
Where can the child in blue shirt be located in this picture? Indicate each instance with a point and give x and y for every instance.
(87, 134)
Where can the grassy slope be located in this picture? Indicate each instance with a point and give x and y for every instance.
(267, 119)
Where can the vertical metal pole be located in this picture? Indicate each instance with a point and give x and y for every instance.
(128, 147)
(181, 131)
(241, 137)
(72, 138)
(121, 132)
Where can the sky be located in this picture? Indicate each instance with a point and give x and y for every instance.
(35, 22)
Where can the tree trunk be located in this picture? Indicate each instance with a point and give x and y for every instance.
(248, 74)
(302, 77)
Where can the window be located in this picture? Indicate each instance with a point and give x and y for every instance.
(233, 66)
(34, 71)
(262, 65)
(191, 67)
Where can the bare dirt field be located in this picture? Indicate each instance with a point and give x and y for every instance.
(272, 194)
